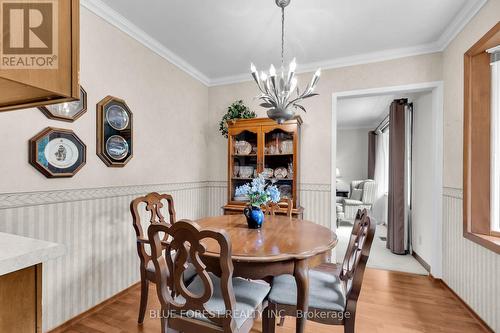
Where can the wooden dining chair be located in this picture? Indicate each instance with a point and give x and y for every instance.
(209, 303)
(154, 202)
(283, 207)
(332, 297)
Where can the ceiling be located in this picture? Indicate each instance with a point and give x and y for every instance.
(368, 111)
(363, 112)
(215, 41)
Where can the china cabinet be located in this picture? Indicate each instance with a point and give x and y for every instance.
(260, 145)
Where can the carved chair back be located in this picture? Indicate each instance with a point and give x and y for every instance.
(170, 262)
(356, 257)
(286, 207)
(154, 202)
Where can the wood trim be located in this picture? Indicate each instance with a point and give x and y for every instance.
(75, 49)
(481, 322)
(64, 326)
(262, 121)
(38, 290)
(490, 242)
(476, 139)
(421, 261)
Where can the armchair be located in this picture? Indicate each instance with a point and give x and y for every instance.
(362, 196)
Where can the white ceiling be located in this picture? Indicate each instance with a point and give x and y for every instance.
(363, 112)
(368, 111)
(215, 41)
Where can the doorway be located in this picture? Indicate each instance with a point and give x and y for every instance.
(426, 180)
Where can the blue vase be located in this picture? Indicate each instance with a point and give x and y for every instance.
(254, 216)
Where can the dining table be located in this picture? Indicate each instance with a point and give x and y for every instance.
(283, 245)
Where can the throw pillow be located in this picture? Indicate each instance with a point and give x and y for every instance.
(357, 194)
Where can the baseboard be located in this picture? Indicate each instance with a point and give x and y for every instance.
(64, 326)
(421, 261)
(481, 322)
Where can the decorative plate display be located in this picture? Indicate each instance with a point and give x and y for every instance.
(57, 152)
(117, 147)
(268, 173)
(243, 147)
(114, 132)
(69, 111)
(280, 173)
(117, 117)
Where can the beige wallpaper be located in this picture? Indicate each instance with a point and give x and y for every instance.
(317, 131)
(169, 109)
(453, 71)
(468, 268)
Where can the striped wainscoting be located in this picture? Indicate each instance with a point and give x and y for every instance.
(95, 226)
(315, 198)
(471, 270)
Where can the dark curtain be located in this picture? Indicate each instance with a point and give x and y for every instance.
(371, 154)
(397, 205)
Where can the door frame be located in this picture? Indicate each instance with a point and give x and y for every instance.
(436, 88)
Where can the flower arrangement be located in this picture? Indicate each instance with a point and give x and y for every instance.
(258, 192)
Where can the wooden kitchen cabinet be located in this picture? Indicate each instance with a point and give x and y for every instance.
(28, 85)
(21, 301)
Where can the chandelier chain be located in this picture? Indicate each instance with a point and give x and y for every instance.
(282, 35)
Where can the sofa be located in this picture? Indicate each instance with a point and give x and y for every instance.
(362, 195)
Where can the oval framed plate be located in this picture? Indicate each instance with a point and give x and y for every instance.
(117, 117)
(61, 153)
(117, 147)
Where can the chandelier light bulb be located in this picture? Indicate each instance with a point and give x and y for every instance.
(252, 68)
(293, 66)
(272, 71)
(281, 95)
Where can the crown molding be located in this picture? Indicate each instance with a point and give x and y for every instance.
(459, 22)
(452, 30)
(114, 18)
(359, 59)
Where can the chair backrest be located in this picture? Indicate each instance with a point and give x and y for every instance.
(170, 262)
(356, 257)
(369, 188)
(154, 203)
(286, 207)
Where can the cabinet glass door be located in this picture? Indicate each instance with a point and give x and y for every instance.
(279, 159)
(244, 161)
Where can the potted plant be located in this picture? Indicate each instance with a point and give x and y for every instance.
(259, 193)
(237, 110)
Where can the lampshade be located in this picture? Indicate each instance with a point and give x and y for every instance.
(337, 173)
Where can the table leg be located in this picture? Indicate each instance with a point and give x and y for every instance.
(301, 274)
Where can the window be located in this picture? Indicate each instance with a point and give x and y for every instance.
(495, 140)
(482, 142)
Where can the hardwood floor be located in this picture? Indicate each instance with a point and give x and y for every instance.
(389, 302)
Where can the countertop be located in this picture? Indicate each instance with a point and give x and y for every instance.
(18, 252)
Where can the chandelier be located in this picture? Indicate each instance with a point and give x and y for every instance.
(277, 89)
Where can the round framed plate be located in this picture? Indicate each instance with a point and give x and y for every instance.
(117, 147)
(61, 153)
(117, 117)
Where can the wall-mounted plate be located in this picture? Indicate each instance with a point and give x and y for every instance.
(57, 152)
(69, 111)
(114, 132)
